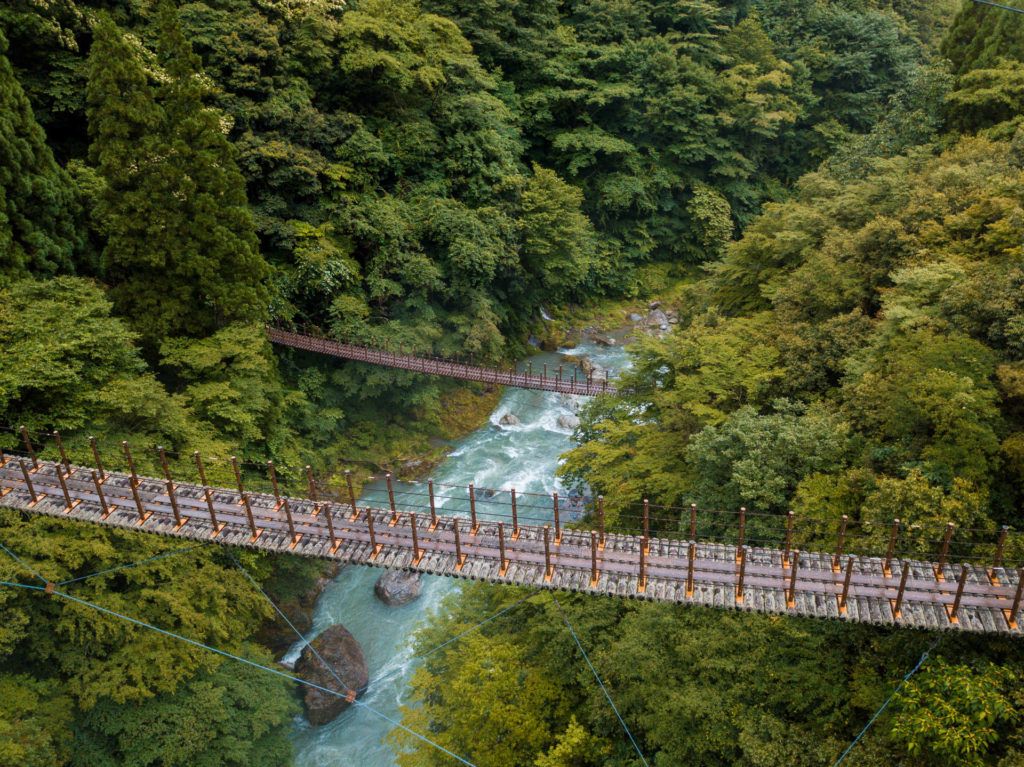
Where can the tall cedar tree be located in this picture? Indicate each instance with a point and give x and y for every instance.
(181, 254)
(37, 201)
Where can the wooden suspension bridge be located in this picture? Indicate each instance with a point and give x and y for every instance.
(879, 590)
(555, 381)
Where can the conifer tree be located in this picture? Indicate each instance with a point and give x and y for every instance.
(37, 201)
(181, 253)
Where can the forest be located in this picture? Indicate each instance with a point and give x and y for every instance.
(835, 185)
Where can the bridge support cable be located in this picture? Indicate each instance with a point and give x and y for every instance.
(597, 677)
(920, 662)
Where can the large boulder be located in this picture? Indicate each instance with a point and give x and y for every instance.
(509, 419)
(398, 587)
(566, 421)
(344, 656)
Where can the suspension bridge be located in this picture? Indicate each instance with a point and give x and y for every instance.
(887, 590)
(555, 380)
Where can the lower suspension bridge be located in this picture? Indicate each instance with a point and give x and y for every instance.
(498, 547)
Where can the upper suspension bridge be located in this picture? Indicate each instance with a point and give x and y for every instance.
(512, 547)
(555, 380)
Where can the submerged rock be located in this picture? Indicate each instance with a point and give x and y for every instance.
(509, 419)
(568, 421)
(342, 653)
(398, 587)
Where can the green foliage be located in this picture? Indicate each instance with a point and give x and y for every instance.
(759, 459)
(956, 714)
(38, 209)
(34, 718)
(181, 252)
(69, 365)
(234, 715)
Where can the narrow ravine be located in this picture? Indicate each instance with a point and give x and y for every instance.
(523, 455)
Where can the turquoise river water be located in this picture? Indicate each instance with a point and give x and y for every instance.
(524, 456)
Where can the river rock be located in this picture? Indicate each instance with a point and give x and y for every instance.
(603, 340)
(509, 419)
(634, 317)
(654, 305)
(343, 654)
(398, 587)
(657, 318)
(568, 421)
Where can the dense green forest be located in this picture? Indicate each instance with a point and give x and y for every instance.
(429, 174)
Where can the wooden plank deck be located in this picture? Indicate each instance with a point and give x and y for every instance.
(714, 576)
(440, 367)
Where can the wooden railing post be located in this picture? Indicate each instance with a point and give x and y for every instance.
(1011, 614)
(897, 606)
(254, 531)
(272, 472)
(515, 517)
(951, 613)
(351, 495)
(944, 553)
(29, 449)
(840, 541)
(330, 524)
(213, 512)
(143, 514)
(107, 510)
(846, 585)
(96, 459)
(163, 462)
(68, 503)
(693, 521)
(473, 526)
(501, 549)
(548, 572)
(459, 559)
(997, 559)
(647, 520)
(391, 500)
(558, 524)
(63, 454)
(789, 540)
(238, 478)
(28, 483)
(433, 507)
(691, 555)
(131, 462)
(291, 522)
(374, 548)
(742, 554)
(641, 583)
(893, 535)
(593, 559)
(200, 468)
(417, 555)
(178, 522)
(742, 532)
(600, 521)
(794, 565)
(313, 495)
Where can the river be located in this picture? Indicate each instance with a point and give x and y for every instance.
(524, 456)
